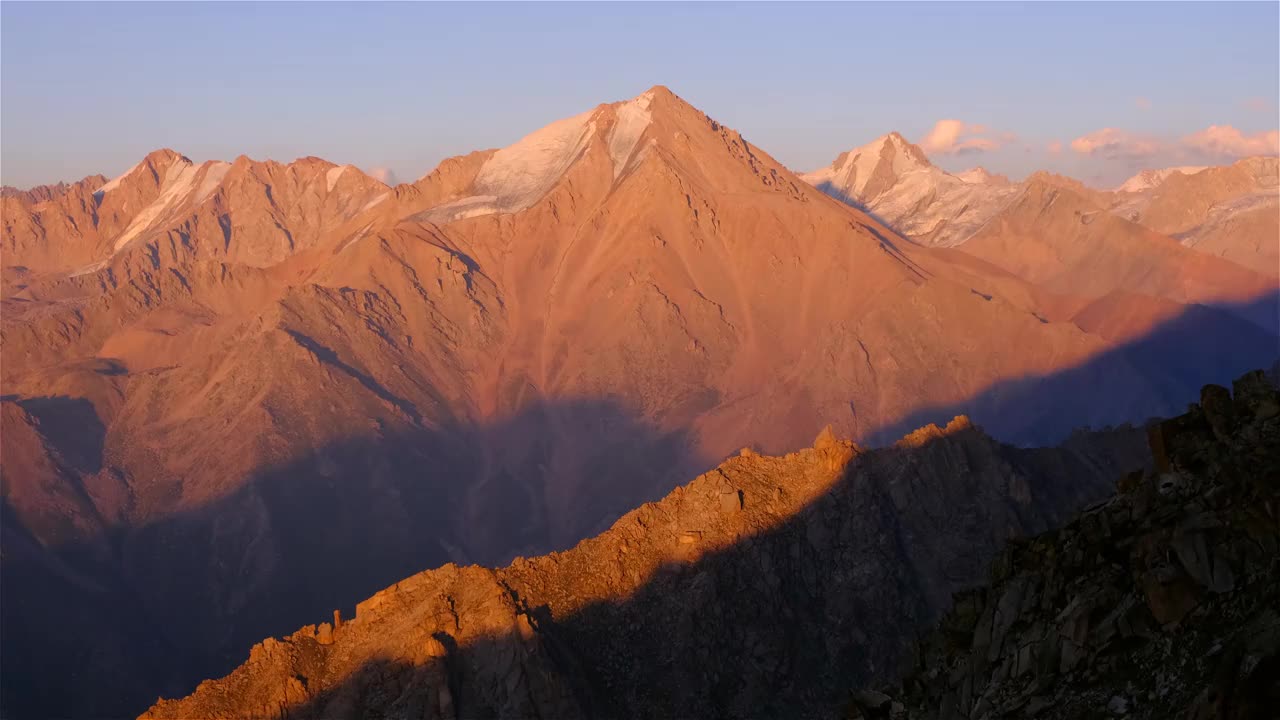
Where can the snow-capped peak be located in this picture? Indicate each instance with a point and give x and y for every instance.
(982, 176)
(1148, 179)
(887, 157)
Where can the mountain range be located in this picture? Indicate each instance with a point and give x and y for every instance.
(239, 395)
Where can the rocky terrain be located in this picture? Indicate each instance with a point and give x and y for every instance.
(1162, 602)
(756, 590)
(1229, 212)
(1232, 212)
(241, 393)
(760, 587)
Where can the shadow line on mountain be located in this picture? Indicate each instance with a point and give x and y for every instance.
(687, 643)
(363, 512)
(309, 535)
(830, 190)
(782, 622)
(1198, 346)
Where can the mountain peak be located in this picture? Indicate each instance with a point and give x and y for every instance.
(980, 175)
(660, 91)
(1147, 179)
(157, 162)
(615, 137)
(165, 157)
(905, 146)
(864, 172)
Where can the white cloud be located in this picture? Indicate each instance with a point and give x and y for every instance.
(1256, 104)
(956, 137)
(1113, 143)
(384, 175)
(1227, 141)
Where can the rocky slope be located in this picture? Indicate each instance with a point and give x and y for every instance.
(753, 591)
(1232, 212)
(1163, 602)
(258, 391)
(1062, 239)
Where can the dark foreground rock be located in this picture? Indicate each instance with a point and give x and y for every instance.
(1163, 602)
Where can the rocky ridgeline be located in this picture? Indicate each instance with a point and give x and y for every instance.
(765, 587)
(1162, 602)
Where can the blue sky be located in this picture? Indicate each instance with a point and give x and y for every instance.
(93, 87)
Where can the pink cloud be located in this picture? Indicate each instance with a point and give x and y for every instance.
(1227, 141)
(383, 175)
(1142, 103)
(1054, 147)
(1113, 143)
(956, 137)
(1256, 104)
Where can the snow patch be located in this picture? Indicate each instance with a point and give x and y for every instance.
(374, 201)
(632, 118)
(975, 175)
(850, 176)
(212, 179)
(90, 268)
(179, 187)
(331, 177)
(113, 184)
(519, 175)
(357, 238)
(1148, 179)
(473, 206)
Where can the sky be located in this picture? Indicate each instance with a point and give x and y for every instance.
(1092, 90)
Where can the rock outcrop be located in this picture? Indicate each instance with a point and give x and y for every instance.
(759, 589)
(1162, 602)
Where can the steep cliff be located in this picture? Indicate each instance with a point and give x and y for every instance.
(1163, 602)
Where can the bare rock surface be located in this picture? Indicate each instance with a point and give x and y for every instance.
(1158, 603)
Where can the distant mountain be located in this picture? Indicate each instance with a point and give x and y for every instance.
(1061, 238)
(1148, 179)
(892, 179)
(168, 204)
(45, 193)
(1232, 212)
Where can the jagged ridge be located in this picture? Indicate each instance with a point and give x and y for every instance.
(755, 590)
(1163, 602)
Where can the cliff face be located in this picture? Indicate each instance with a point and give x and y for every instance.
(1163, 602)
(761, 587)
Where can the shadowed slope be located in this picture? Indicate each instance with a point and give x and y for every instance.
(1159, 603)
(176, 598)
(804, 569)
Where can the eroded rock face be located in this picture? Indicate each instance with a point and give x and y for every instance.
(1163, 602)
